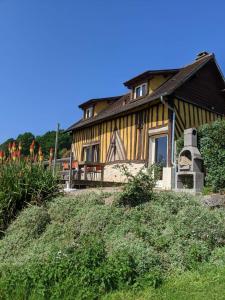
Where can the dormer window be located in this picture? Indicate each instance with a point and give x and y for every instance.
(88, 112)
(140, 90)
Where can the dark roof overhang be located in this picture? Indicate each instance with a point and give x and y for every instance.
(95, 100)
(148, 75)
(166, 89)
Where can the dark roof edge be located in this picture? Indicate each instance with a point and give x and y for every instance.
(148, 98)
(180, 83)
(149, 73)
(94, 100)
(96, 121)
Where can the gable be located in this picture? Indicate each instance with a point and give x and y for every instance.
(205, 89)
(116, 148)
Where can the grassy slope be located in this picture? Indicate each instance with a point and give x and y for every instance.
(208, 283)
(173, 234)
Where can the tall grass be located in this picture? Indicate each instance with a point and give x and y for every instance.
(22, 183)
(80, 248)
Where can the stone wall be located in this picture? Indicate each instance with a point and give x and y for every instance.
(113, 174)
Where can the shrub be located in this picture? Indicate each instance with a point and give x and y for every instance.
(78, 248)
(22, 183)
(211, 143)
(212, 147)
(139, 187)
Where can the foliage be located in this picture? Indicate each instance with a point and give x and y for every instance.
(22, 183)
(4, 146)
(212, 147)
(139, 187)
(46, 141)
(211, 143)
(25, 139)
(205, 283)
(179, 145)
(77, 247)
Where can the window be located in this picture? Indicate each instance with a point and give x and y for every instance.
(88, 112)
(158, 151)
(86, 154)
(91, 153)
(161, 151)
(140, 90)
(95, 153)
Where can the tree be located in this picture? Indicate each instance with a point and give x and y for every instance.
(4, 146)
(25, 139)
(47, 141)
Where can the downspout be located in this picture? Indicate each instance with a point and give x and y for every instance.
(173, 129)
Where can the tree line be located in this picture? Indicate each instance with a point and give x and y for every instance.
(45, 141)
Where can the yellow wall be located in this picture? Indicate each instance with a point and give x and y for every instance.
(99, 106)
(156, 81)
(189, 115)
(132, 135)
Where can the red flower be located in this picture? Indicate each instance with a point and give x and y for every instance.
(13, 147)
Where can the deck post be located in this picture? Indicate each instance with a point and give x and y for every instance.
(85, 172)
(71, 170)
(56, 149)
(102, 173)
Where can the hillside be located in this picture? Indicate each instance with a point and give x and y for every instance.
(76, 247)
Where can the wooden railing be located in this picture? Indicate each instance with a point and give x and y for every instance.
(79, 171)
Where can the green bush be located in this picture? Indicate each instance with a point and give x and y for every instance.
(212, 147)
(139, 187)
(22, 183)
(77, 247)
(211, 143)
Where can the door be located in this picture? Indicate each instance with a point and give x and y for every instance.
(158, 151)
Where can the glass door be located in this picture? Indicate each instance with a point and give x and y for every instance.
(158, 152)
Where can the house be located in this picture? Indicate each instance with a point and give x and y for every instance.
(141, 127)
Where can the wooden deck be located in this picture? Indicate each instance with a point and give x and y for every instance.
(82, 174)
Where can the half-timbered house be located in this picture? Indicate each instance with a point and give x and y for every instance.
(141, 127)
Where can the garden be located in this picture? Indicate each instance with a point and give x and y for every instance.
(144, 245)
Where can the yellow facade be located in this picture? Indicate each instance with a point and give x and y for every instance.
(132, 128)
(99, 106)
(156, 81)
(189, 115)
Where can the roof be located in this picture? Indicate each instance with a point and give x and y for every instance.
(92, 101)
(148, 74)
(172, 84)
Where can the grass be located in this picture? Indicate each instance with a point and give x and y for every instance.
(22, 183)
(79, 248)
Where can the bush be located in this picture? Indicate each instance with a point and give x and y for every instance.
(211, 143)
(212, 147)
(77, 247)
(22, 183)
(139, 187)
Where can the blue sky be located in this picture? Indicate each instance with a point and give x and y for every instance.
(55, 54)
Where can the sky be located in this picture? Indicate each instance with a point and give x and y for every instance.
(56, 54)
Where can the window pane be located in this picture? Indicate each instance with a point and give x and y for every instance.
(161, 151)
(95, 153)
(144, 90)
(138, 91)
(87, 153)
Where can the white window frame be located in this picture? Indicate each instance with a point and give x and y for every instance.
(153, 134)
(152, 154)
(152, 147)
(89, 112)
(141, 91)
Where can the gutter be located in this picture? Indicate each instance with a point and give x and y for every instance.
(173, 128)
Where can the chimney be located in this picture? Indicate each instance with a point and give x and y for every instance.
(201, 54)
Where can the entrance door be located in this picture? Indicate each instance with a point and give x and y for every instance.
(158, 151)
